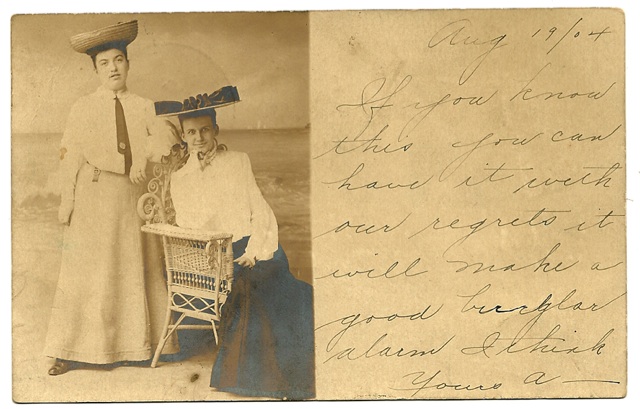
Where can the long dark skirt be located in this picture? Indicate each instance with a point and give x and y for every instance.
(266, 333)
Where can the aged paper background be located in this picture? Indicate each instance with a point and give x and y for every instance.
(468, 199)
(344, 297)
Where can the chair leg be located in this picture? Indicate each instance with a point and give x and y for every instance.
(163, 336)
(166, 335)
(215, 331)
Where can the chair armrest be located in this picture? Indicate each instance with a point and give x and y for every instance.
(164, 229)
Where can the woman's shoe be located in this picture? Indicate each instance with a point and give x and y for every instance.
(59, 367)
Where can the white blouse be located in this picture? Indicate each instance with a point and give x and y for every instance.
(224, 197)
(90, 135)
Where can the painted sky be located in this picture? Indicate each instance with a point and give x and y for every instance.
(175, 55)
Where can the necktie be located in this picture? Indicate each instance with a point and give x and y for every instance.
(123, 136)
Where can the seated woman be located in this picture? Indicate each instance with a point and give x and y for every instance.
(266, 331)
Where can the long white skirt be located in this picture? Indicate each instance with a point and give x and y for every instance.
(108, 307)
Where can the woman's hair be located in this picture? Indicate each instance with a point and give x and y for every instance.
(210, 112)
(118, 45)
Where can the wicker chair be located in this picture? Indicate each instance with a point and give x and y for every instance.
(199, 264)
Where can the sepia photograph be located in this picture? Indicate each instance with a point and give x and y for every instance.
(160, 207)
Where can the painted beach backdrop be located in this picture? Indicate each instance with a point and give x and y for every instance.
(265, 55)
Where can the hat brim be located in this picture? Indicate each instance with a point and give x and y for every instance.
(123, 33)
(197, 109)
(220, 98)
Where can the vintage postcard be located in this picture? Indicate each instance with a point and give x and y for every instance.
(335, 205)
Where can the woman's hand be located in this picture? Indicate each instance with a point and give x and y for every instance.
(137, 173)
(245, 261)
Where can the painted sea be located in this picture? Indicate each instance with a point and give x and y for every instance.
(279, 159)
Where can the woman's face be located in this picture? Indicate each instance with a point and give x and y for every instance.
(199, 133)
(112, 68)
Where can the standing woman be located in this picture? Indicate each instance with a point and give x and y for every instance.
(108, 307)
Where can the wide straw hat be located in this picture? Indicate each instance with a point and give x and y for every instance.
(121, 33)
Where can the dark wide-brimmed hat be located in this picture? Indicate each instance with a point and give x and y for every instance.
(115, 36)
(224, 96)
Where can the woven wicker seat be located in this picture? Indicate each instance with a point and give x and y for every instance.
(199, 264)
